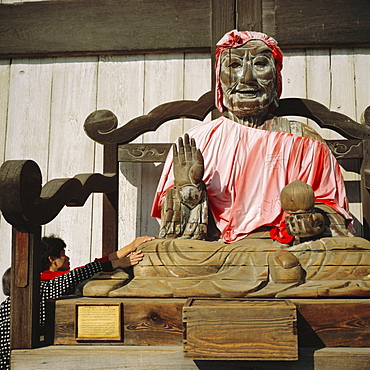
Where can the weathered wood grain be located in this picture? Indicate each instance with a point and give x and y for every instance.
(61, 27)
(25, 203)
(319, 23)
(249, 15)
(220, 329)
(332, 323)
(121, 88)
(25, 292)
(145, 322)
(78, 76)
(320, 322)
(171, 357)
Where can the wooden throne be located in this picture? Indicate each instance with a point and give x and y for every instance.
(28, 205)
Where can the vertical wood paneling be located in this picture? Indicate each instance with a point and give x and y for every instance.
(343, 100)
(29, 111)
(120, 89)
(318, 76)
(164, 80)
(71, 151)
(362, 80)
(58, 94)
(294, 77)
(197, 81)
(5, 228)
(27, 125)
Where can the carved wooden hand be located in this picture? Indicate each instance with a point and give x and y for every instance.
(305, 225)
(185, 211)
(188, 166)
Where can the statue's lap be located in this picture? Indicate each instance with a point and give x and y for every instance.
(183, 268)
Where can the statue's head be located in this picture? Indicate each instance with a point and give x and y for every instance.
(248, 73)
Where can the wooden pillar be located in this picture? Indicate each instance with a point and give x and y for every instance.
(25, 289)
(110, 203)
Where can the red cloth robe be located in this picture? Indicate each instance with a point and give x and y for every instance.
(245, 170)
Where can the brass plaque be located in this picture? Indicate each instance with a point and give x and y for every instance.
(98, 322)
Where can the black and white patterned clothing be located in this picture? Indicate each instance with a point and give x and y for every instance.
(5, 334)
(51, 289)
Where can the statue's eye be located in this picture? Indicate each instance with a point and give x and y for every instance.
(234, 65)
(260, 62)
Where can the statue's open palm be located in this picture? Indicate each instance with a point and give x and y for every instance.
(188, 166)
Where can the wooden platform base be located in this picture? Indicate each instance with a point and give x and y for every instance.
(171, 357)
(320, 322)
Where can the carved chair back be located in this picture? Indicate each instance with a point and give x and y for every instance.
(101, 126)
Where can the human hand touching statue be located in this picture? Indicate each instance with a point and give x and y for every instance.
(128, 249)
(131, 260)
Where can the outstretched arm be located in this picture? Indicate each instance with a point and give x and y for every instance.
(129, 248)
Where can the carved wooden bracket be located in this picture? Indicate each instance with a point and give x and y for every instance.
(324, 117)
(101, 125)
(25, 203)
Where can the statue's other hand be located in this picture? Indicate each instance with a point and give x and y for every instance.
(188, 166)
(305, 224)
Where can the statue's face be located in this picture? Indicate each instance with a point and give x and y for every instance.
(248, 78)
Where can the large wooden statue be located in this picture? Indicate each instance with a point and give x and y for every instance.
(250, 204)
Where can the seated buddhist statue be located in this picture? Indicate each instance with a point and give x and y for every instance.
(250, 204)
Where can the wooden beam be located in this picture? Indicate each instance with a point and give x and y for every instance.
(70, 27)
(172, 357)
(317, 23)
(103, 26)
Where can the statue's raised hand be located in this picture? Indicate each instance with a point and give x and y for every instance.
(188, 170)
(185, 210)
(188, 167)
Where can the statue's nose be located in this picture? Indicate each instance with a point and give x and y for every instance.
(247, 73)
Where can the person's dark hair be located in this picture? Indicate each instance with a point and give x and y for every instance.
(51, 246)
(6, 281)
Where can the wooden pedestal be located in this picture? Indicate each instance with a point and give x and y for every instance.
(240, 329)
(320, 322)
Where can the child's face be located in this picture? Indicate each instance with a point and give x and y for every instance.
(62, 263)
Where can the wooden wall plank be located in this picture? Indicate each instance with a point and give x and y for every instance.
(223, 20)
(164, 80)
(322, 23)
(60, 27)
(71, 152)
(319, 83)
(294, 77)
(5, 228)
(249, 15)
(342, 71)
(121, 89)
(268, 17)
(197, 81)
(29, 112)
(57, 28)
(362, 80)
